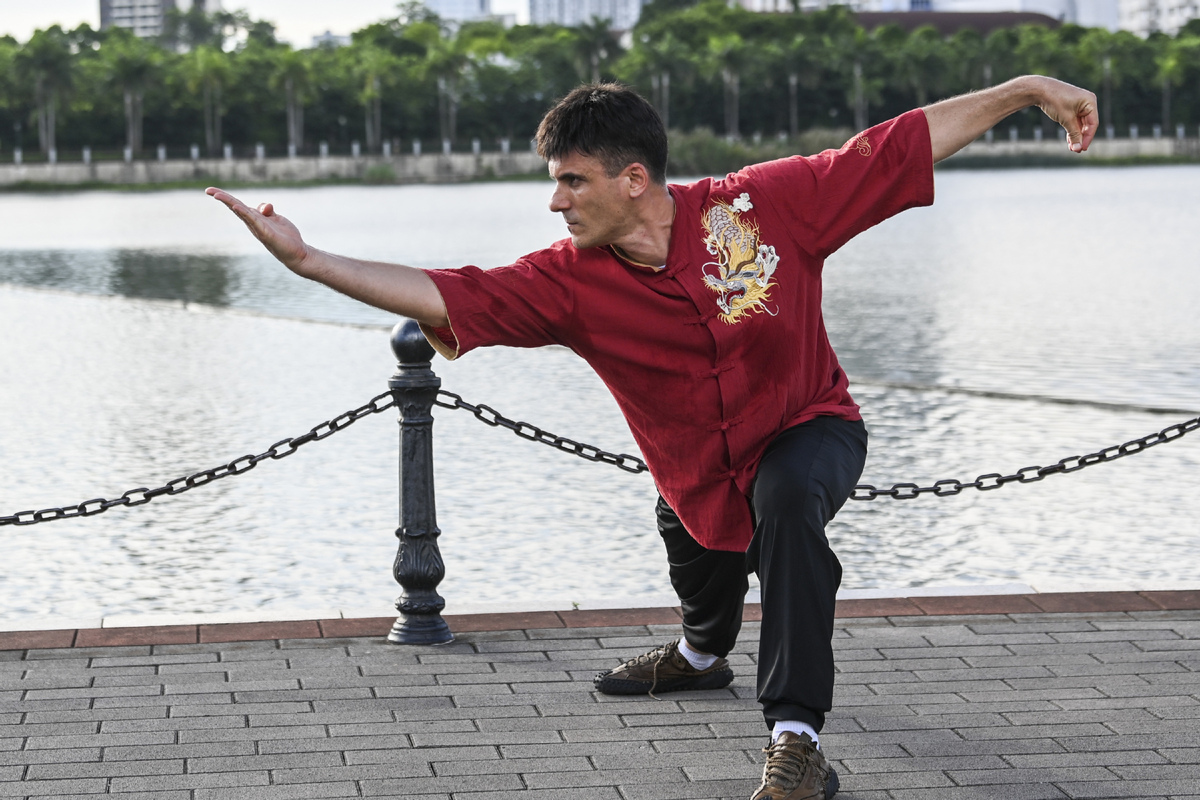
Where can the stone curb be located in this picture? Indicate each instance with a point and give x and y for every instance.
(950, 605)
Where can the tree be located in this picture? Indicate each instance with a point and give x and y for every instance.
(293, 74)
(597, 45)
(130, 64)
(728, 55)
(46, 62)
(657, 60)
(9, 95)
(801, 59)
(447, 59)
(923, 63)
(375, 67)
(207, 69)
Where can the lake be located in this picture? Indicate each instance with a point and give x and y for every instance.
(146, 336)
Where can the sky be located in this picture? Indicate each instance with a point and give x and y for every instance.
(296, 21)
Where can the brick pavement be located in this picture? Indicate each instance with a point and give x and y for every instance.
(1099, 701)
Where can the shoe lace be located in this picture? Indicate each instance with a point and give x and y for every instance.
(655, 657)
(786, 763)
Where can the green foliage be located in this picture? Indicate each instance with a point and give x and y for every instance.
(701, 152)
(379, 174)
(706, 64)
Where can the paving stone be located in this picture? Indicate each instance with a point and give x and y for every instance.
(1138, 789)
(54, 788)
(580, 793)
(313, 790)
(105, 769)
(1018, 792)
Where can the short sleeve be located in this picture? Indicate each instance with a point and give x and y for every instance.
(519, 305)
(829, 198)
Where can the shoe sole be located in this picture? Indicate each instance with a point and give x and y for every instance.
(717, 679)
(832, 784)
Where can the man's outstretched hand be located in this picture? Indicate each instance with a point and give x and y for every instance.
(1074, 109)
(955, 123)
(277, 233)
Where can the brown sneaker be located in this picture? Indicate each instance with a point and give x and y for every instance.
(796, 770)
(663, 669)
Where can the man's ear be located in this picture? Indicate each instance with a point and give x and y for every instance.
(638, 177)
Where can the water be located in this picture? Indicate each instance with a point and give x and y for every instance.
(145, 336)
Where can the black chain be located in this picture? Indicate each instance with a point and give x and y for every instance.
(238, 466)
(994, 480)
(899, 491)
(490, 416)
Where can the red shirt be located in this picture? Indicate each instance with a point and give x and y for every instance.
(714, 355)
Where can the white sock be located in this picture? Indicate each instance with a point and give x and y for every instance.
(697, 660)
(796, 727)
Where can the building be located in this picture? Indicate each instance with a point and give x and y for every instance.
(144, 17)
(1145, 17)
(330, 39)
(1089, 13)
(622, 15)
(460, 10)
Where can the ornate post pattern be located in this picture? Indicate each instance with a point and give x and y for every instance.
(418, 568)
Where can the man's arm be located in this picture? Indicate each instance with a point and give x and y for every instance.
(955, 123)
(393, 287)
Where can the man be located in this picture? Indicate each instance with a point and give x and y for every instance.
(700, 308)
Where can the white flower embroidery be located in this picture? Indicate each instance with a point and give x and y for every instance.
(742, 203)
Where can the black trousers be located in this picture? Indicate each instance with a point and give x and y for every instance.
(805, 476)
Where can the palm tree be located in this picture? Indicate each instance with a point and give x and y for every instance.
(656, 59)
(207, 72)
(727, 55)
(46, 62)
(293, 74)
(802, 57)
(924, 63)
(1173, 62)
(596, 45)
(446, 60)
(376, 67)
(130, 64)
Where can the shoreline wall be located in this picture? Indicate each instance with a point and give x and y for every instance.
(426, 168)
(460, 167)
(1101, 149)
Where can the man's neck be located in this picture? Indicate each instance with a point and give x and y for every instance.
(649, 244)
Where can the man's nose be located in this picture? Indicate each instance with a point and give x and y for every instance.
(558, 201)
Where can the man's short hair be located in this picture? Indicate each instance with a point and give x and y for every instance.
(609, 122)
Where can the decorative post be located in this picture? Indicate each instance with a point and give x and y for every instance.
(419, 568)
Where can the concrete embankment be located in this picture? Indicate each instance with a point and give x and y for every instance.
(429, 168)
(1102, 149)
(458, 167)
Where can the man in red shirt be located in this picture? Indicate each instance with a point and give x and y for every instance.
(699, 306)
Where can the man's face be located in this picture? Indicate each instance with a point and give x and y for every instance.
(598, 209)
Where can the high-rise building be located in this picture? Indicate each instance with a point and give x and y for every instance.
(144, 17)
(1145, 17)
(460, 10)
(1089, 13)
(622, 15)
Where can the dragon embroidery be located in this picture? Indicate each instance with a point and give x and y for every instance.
(741, 273)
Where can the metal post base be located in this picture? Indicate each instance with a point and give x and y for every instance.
(420, 629)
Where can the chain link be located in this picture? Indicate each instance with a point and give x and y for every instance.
(138, 497)
(994, 480)
(490, 416)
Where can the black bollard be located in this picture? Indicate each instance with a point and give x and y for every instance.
(419, 568)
